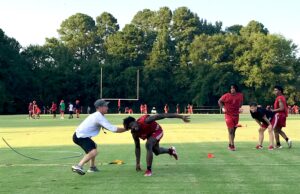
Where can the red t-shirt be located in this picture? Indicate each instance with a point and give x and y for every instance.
(54, 107)
(276, 105)
(146, 129)
(232, 103)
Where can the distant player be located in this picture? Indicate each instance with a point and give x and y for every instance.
(146, 127)
(145, 109)
(34, 109)
(266, 120)
(89, 128)
(177, 109)
(53, 109)
(77, 108)
(281, 110)
(37, 112)
(71, 110)
(62, 109)
(166, 108)
(30, 110)
(231, 104)
(142, 108)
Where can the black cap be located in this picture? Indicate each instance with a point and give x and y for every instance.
(100, 102)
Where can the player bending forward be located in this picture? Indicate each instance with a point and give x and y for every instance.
(146, 127)
(266, 120)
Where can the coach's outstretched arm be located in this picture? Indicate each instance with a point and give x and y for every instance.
(185, 118)
(107, 125)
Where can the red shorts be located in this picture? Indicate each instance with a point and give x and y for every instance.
(77, 111)
(280, 120)
(231, 121)
(158, 134)
(273, 122)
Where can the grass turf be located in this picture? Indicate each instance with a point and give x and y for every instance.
(245, 171)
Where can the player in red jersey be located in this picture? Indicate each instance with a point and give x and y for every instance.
(166, 108)
(146, 127)
(53, 109)
(231, 104)
(281, 111)
(77, 108)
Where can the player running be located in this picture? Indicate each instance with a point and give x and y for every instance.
(231, 104)
(265, 119)
(146, 127)
(90, 127)
(281, 110)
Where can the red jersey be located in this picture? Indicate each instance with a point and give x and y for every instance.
(54, 107)
(276, 105)
(232, 103)
(146, 129)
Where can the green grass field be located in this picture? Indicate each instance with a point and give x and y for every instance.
(245, 171)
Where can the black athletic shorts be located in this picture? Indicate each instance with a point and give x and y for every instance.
(86, 143)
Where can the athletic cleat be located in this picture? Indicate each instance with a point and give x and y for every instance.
(270, 148)
(279, 147)
(93, 169)
(259, 147)
(172, 152)
(233, 148)
(78, 170)
(148, 173)
(289, 142)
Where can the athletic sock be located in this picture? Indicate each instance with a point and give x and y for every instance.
(229, 145)
(287, 139)
(149, 168)
(278, 144)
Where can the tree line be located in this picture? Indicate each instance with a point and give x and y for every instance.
(181, 59)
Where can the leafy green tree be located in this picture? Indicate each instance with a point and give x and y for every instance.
(78, 33)
(235, 29)
(106, 25)
(129, 46)
(268, 60)
(213, 67)
(15, 76)
(254, 27)
(158, 70)
(162, 18)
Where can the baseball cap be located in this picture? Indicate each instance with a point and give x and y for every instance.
(100, 102)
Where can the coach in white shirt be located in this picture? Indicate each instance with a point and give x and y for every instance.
(90, 127)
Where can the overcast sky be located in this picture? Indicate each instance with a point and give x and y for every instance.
(31, 21)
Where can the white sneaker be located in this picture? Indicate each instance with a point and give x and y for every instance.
(289, 142)
(78, 169)
(172, 152)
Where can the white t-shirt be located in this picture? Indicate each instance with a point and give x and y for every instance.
(70, 107)
(90, 127)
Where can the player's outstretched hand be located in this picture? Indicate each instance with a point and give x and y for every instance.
(138, 168)
(186, 118)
